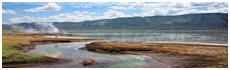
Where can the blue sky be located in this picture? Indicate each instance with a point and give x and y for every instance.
(17, 12)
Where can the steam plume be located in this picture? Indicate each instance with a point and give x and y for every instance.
(40, 27)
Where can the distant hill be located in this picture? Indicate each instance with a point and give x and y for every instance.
(205, 21)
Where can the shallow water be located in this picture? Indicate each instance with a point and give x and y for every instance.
(158, 36)
(71, 50)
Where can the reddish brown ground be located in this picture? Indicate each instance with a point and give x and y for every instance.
(204, 55)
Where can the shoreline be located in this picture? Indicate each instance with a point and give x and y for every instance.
(160, 30)
(38, 40)
(167, 60)
(205, 55)
(211, 61)
(190, 43)
(66, 37)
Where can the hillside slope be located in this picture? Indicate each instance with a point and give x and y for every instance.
(205, 21)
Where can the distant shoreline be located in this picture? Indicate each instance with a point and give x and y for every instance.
(156, 30)
(157, 42)
(120, 30)
(190, 43)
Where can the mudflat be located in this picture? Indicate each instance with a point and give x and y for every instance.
(202, 56)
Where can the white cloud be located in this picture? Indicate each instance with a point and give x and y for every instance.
(146, 9)
(208, 4)
(179, 4)
(143, 5)
(196, 4)
(223, 10)
(67, 17)
(112, 14)
(21, 3)
(117, 7)
(67, 14)
(123, 3)
(154, 12)
(174, 11)
(137, 5)
(180, 8)
(49, 7)
(215, 10)
(86, 4)
(8, 12)
(157, 11)
(84, 12)
(76, 12)
(92, 13)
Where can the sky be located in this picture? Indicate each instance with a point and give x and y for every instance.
(18, 12)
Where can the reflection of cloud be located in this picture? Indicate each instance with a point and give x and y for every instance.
(142, 58)
(55, 55)
(74, 46)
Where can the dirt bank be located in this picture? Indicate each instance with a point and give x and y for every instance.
(45, 61)
(15, 55)
(204, 55)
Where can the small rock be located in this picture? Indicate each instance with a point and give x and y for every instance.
(88, 62)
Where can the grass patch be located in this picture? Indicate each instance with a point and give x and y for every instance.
(11, 55)
(11, 31)
(11, 42)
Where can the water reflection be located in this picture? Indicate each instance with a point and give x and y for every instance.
(47, 51)
(71, 51)
(219, 38)
(129, 61)
(56, 45)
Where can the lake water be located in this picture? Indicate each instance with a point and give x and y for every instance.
(71, 50)
(214, 37)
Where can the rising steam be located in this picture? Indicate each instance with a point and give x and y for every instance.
(40, 27)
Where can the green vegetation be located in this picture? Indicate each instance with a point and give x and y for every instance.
(11, 55)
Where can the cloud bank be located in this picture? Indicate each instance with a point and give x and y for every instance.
(116, 10)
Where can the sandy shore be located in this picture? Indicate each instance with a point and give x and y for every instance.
(200, 56)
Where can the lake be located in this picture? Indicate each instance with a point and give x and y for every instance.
(214, 37)
(71, 50)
